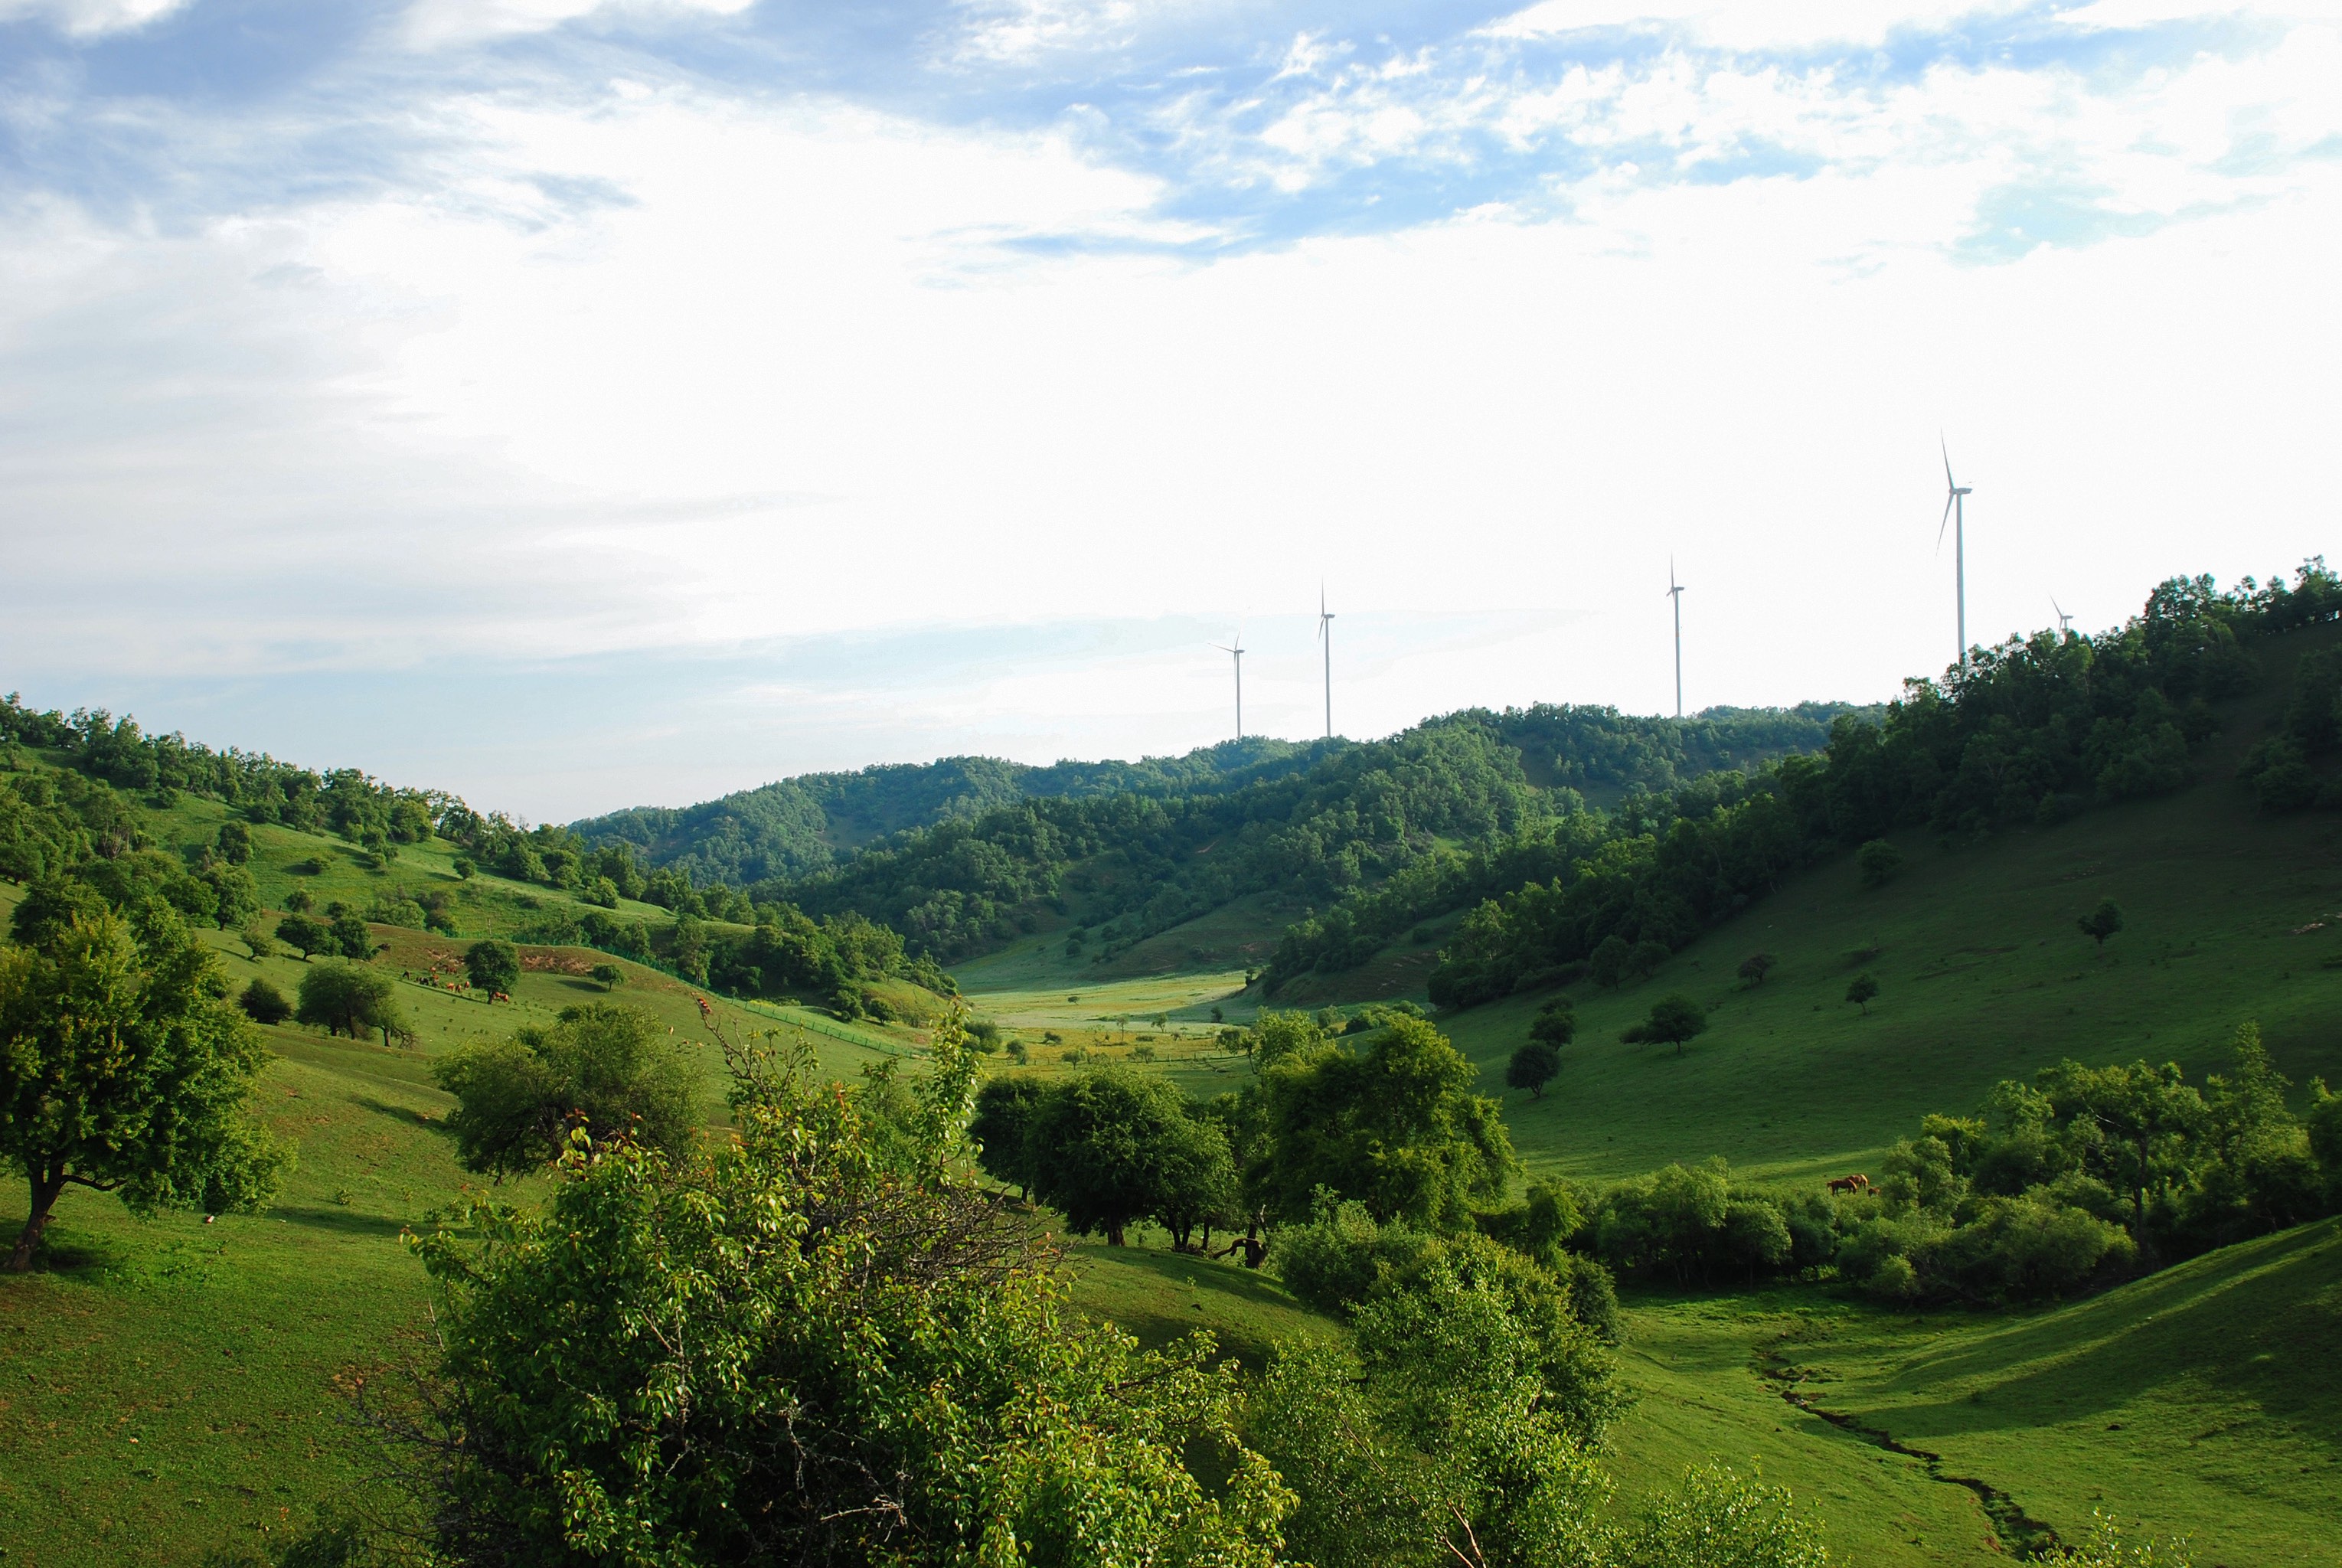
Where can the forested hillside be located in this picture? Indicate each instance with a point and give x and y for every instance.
(2034, 730)
(803, 825)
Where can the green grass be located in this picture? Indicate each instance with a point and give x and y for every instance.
(1157, 1295)
(2204, 1400)
(1984, 977)
(2201, 1401)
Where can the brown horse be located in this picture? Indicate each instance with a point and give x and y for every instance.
(1853, 1184)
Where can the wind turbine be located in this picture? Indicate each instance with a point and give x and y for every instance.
(2065, 622)
(1326, 636)
(1955, 513)
(1675, 592)
(1236, 648)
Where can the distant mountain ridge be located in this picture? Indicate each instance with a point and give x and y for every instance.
(796, 826)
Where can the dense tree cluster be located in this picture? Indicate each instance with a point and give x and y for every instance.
(2073, 1179)
(2030, 731)
(815, 1341)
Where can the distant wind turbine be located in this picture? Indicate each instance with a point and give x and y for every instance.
(1326, 636)
(1955, 513)
(2065, 622)
(1675, 592)
(1236, 648)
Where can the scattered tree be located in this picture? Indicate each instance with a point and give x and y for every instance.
(1396, 1129)
(124, 1070)
(464, 868)
(263, 1004)
(1862, 990)
(2102, 922)
(350, 999)
(1532, 1067)
(306, 936)
(256, 940)
(235, 897)
(351, 938)
(494, 965)
(1555, 1024)
(299, 901)
(1879, 861)
(1756, 966)
(1673, 1020)
(1095, 1148)
(607, 975)
(1001, 1127)
(611, 1068)
(234, 842)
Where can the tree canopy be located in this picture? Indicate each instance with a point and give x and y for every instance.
(611, 1068)
(124, 1068)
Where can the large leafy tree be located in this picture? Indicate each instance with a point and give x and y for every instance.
(790, 1352)
(1398, 1128)
(350, 999)
(492, 965)
(1099, 1147)
(124, 1068)
(612, 1066)
(1003, 1120)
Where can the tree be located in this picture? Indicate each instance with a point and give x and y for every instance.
(1555, 1024)
(1756, 966)
(351, 937)
(494, 965)
(50, 907)
(1879, 861)
(234, 842)
(1194, 1177)
(1096, 1148)
(299, 901)
(1003, 1118)
(123, 1069)
(849, 1365)
(1862, 990)
(608, 1065)
(350, 999)
(255, 938)
(465, 868)
(607, 973)
(1396, 1129)
(235, 897)
(1532, 1067)
(307, 936)
(1607, 964)
(2102, 922)
(263, 1004)
(1673, 1020)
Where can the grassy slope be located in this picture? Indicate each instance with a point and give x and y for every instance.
(1984, 977)
(222, 1350)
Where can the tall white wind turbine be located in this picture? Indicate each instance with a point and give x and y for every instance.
(1955, 513)
(1675, 592)
(1236, 648)
(2065, 622)
(1326, 636)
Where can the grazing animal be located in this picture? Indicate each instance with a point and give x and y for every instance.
(1853, 1184)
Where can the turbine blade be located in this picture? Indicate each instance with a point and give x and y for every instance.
(1945, 524)
(1949, 483)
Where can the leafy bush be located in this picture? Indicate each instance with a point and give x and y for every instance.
(605, 1067)
(263, 1004)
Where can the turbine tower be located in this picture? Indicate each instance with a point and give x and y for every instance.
(1955, 513)
(2065, 622)
(1236, 648)
(1675, 592)
(1326, 636)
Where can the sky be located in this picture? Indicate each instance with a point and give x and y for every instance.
(581, 404)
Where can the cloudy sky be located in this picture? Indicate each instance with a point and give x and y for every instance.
(582, 404)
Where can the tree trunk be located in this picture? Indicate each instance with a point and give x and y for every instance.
(1114, 1236)
(28, 1241)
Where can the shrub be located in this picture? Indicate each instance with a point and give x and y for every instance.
(606, 1066)
(263, 1004)
(1879, 861)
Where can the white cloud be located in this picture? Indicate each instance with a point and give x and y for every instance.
(667, 371)
(433, 24)
(89, 19)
